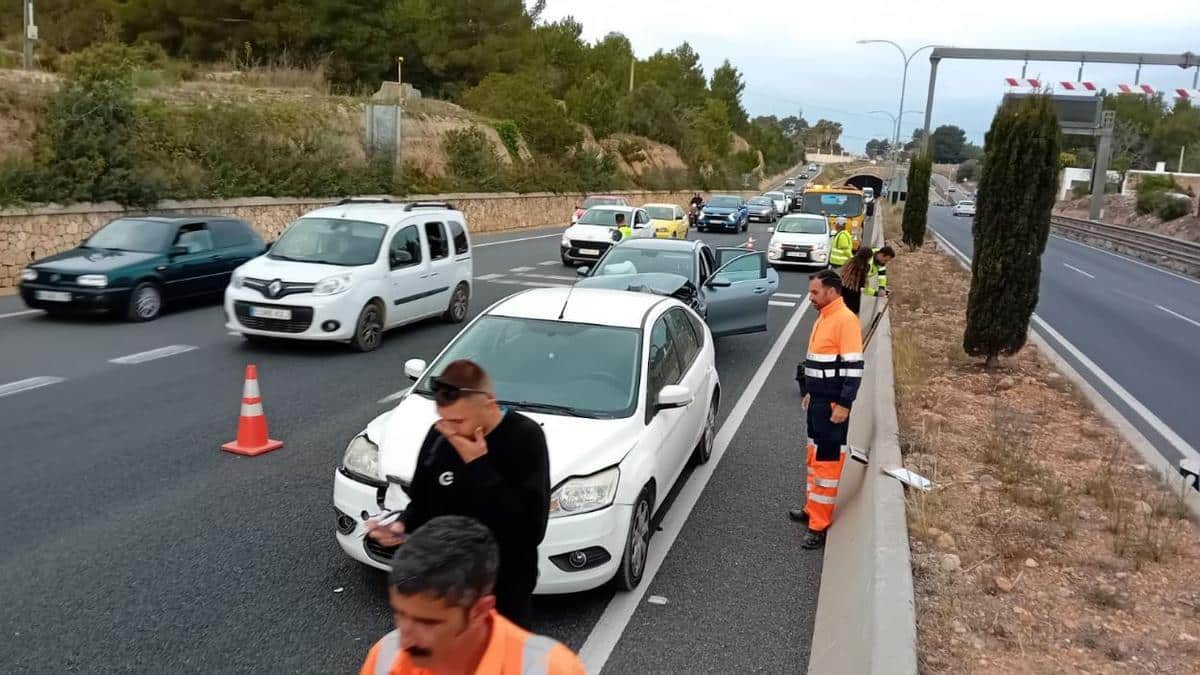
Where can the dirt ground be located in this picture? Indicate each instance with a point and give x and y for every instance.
(1047, 546)
(1122, 210)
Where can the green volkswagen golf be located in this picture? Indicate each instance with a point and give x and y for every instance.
(134, 266)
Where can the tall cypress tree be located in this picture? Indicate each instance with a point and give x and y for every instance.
(1012, 224)
(917, 203)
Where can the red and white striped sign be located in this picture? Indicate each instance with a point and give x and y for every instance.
(1189, 94)
(1139, 89)
(1018, 82)
(1079, 87)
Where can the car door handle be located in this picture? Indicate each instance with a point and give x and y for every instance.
(760, 290)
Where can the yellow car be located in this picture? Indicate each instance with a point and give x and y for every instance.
(668, 220)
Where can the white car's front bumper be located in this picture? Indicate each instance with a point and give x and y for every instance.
(605, 529)
(341, 309)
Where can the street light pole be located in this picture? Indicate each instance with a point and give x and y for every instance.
(903, 78)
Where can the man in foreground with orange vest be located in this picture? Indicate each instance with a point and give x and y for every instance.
(829, 379)
(440, 589)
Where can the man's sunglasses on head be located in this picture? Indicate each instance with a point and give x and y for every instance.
(445, 393)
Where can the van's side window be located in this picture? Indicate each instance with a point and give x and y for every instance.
(439, 247)
(460, 237)
(405, 248)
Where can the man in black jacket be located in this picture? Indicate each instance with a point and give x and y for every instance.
(488, 463)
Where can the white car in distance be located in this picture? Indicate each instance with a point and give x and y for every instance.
(351, 271)
(588, 239)
(801, 240)
(964, 208)
(779, 199)
(625, 387)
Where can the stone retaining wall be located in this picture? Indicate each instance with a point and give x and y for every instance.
(29, 234)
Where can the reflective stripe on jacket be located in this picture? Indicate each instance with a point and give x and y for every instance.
(841, 249)
(510, 651)
(833, 368)
(879, 272)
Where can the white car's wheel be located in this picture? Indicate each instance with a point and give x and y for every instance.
(637, 543)
(704, 448)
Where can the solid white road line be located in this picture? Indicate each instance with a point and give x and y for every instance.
(489, 277)
(1177, 315)
(1128, 259)
(794, 296)
(1076, 269)
(607, 631)
(27, 384)
(547, 263)
(1115, 387)
(557, 277)
(780, 303)
(150, 355)
(395, 397)
(22, 313)
(513, 241)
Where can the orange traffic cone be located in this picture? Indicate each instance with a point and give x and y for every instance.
(749, 244)
(252, 438)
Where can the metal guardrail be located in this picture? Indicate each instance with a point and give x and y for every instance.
(1177, 253)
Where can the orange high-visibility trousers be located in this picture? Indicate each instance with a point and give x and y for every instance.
(823, 477)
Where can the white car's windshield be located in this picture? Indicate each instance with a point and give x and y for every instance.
(760, 201)
(724, 202)
(330, 241)
(629, 260)
(554, 367)
(606, 217)
(801, 225)
(661, 212)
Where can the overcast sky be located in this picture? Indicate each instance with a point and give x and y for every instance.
(797, 55)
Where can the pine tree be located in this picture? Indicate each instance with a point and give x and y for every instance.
(917, 203)
(1012, 225)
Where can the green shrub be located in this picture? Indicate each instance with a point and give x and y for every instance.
(1148, 202)
(631, 150)
(21, 183)
(542, 121)
(510, 136)
(1156, 183)
(1170, 207)
(471, 162)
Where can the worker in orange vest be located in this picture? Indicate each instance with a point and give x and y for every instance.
(440, 589)
(829, 379)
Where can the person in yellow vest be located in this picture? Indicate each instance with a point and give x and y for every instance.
(879, 262)
(841, 249)
(440, 589)
(623, 230)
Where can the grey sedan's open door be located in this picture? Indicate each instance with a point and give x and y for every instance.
(737, 293)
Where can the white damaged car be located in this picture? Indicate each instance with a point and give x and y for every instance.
(625, 388)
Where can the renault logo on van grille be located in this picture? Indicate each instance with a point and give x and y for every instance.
(274, 288)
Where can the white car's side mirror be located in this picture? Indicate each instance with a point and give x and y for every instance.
(674, 396)
(413, 368)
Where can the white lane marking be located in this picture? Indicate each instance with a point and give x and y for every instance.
(535, 284)
(547, 263)
(794, 296)
(27, 384)
(617, 614)
(23, 313)
(1177, 315)
(1128, 259)
(489, 277)
(557, 277)
(521, 269)
(1076, 269)
(780, 303)
(513, 241)
(396, 396)
(1115, 387)
(152, 354)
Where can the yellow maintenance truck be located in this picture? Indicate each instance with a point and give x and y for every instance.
(838, 203)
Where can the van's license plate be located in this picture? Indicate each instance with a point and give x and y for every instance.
(589, 251)
(271, 313)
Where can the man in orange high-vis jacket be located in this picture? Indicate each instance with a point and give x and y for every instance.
(829, 379)
(440, 589)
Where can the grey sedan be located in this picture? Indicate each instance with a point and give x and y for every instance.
(729, 287)
(762, 209)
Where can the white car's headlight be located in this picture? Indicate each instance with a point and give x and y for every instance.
(29, 274)
(566, 243)
(733, 216)
(362, 458)
(332, 285)
(581, 495)
(93, 280)
(237, 280)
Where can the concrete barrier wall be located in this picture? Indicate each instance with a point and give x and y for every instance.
(29, 234)
(866, 614)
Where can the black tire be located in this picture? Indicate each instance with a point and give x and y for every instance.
(704, 448)
(368, 330)
(145, 302)
(460, 302)
(637, 542)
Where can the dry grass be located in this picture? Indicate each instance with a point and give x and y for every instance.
(1071, 556)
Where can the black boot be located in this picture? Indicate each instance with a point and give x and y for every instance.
(813, 540)
(799, 515)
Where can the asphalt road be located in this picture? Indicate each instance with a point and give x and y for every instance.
(132, 544)
(1137, 325)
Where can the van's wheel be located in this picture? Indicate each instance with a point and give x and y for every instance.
(460, 299)
(637, 544)
(704, 448)
(145, 302)
(368, 331)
